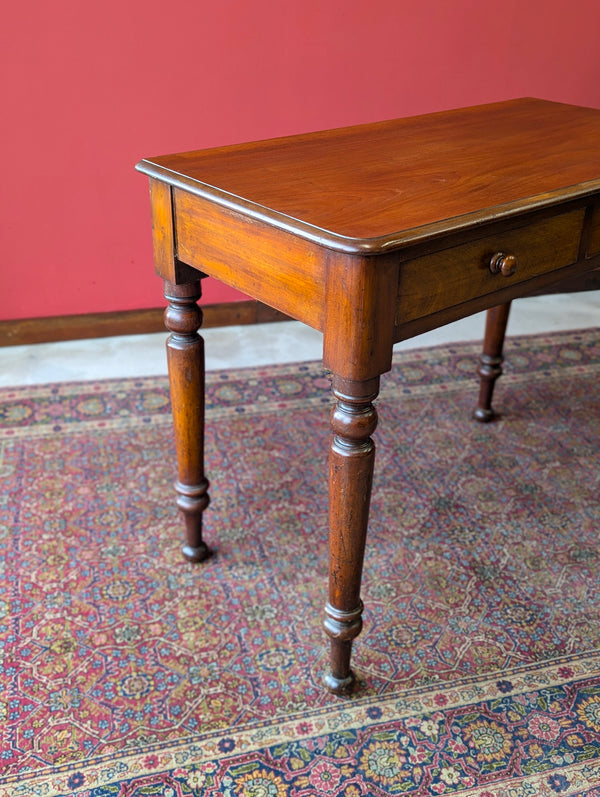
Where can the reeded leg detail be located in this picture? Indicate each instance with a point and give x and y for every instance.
(490, 364)
(185, 358)
(351, 461)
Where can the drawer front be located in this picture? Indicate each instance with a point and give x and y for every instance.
(594, 244)
(452, 276)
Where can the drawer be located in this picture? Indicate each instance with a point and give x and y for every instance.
(594, 244)
(443, 279)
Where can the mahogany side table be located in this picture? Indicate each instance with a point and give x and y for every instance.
(370, 234)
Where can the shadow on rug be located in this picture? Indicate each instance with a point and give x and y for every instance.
(127, 671)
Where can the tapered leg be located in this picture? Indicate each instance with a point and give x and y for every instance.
(185, 357)
(352, 456)
(490, 364)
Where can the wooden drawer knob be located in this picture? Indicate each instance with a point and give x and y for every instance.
(503, 264)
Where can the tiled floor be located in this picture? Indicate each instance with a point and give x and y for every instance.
(234, 347)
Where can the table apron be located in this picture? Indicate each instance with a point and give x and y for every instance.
(269, 264)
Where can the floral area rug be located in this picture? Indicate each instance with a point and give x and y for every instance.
(127, 672)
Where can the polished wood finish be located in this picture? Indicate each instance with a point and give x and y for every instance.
(373, 234)
(589, 281)
(280, 269)
(351, 461)
(185, 358)
(376, 187)
(543, 247)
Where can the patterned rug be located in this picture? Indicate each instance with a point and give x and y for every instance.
(127, 672)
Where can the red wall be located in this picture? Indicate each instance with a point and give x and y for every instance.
(90, 88)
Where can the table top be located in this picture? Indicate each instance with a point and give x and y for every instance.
(374, 187)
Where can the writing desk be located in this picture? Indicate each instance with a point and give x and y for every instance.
(370, 234)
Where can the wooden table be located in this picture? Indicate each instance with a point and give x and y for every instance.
(371, 234)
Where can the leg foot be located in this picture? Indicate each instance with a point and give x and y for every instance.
(342, 628)
(340, 686)
(484, 414)
(490, 364)
(196, 554)
(192, 501)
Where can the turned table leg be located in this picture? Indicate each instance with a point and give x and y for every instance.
(185, 357)
(352, 456)
(490, 364)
